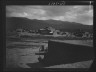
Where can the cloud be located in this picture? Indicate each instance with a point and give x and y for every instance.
(80, 14)
(56, 10)
(59, 18)
(24, 11)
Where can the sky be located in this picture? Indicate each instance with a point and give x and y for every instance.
(75, 13)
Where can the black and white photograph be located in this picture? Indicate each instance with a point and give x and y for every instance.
(49, 36)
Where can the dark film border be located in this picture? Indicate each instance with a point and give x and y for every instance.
(23, 2)
(60, 3)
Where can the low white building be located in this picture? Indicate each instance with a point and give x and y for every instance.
(56, 32)
(87, 34)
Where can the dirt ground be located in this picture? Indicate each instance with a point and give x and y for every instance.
(18, 54)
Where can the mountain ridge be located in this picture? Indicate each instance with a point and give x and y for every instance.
(12, 23)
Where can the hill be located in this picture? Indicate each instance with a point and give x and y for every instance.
(13, 23)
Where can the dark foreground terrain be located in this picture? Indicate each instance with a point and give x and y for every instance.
(21, 51)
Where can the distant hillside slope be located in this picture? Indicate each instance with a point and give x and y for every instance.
(13, 23)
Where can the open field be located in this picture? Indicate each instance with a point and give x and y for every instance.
(21, 51)
(47, 37)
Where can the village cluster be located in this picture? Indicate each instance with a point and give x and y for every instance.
(49, 31)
